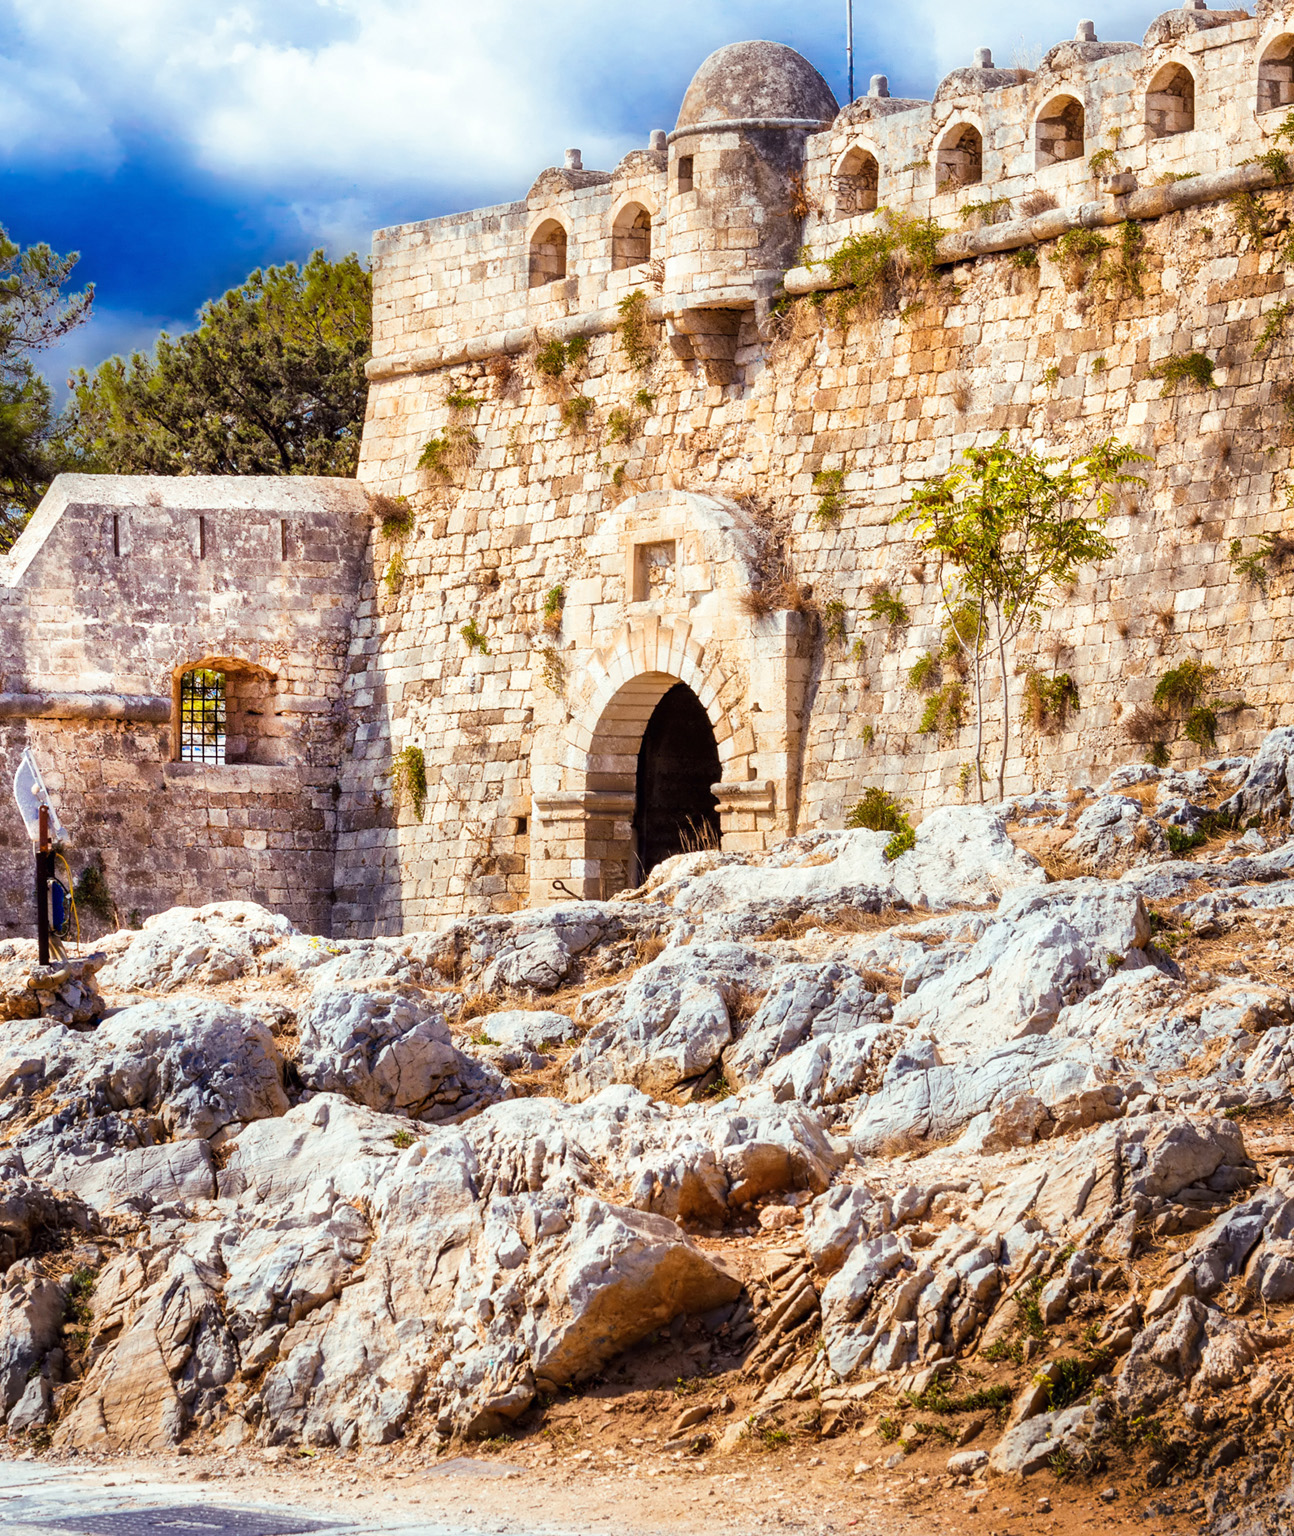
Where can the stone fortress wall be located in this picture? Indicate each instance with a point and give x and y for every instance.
(750, 406)
(658, 497)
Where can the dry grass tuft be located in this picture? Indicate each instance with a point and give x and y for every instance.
(1036, 203)
(743, 1003)
(477, 1004)
(446, 964)
(1060, 865)
(777, 597)
(646, 950)
(909, 1145)
(1146, 724)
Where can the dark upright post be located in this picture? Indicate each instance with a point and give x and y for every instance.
(42, 887)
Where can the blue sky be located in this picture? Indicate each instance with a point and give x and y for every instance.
(177, 144)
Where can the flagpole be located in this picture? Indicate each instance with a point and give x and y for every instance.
(849, 44)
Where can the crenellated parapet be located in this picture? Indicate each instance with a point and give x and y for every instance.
(708, 218)
(1204, 91)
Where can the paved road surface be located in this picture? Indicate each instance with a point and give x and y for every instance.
(39, 1500)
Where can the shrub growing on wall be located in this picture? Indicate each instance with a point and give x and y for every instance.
(1006, 528)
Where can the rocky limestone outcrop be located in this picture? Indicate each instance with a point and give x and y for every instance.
(398, 1189)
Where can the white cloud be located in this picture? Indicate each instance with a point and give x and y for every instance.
(358, 94)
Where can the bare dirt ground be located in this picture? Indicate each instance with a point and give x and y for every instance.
(801, 1488)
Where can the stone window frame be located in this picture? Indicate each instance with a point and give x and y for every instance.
(1269, 59)
(692, 574)
(545, 221)
(1166, 70)
(638, 201)
(1047, 113)
(855, 191)
(231, 667)
(947, 144)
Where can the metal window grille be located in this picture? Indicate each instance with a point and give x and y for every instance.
(202, 717)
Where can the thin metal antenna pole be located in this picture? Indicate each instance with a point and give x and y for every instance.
(849, 44)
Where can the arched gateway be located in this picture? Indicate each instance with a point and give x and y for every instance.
(681, 726)
(675, 806)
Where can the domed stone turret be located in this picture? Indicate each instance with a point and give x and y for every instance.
(756, 80)
(734, 218)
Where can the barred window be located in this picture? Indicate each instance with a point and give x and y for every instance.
(202, 717)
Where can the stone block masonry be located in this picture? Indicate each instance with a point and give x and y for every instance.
(117, 587)
(666, 454)
(748, 407)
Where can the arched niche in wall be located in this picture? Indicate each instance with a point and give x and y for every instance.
(1170, 102)
(547, 253)
(856, 181)
(1276, 74)
(1059, 132)
(630, 237)
(959, 159)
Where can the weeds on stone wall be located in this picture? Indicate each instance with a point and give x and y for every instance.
(831, 504)
(554, 606)
(945, 711)
(959, 631)
(1079, 254)
(1193, 368)
(393, 576)
(802, 200)
(1181, 704)
(552, 668)
(1025, 259)
(900, 251)
(409, 779)
(502, 371)
(1274, 329)
(993, 210)
(1251, 216)
(887, 607)
(1051, 376)
(1085, 257)
(459, 400)
(1127, 265)
(576, 414)
(637, 341)
(556, 358)
(394, 517)
(625, 421)
(1034, 203)
(781, 595)
(966, 777)
(1050, 700)
(91, 894)
(474, 637)
(1258, 566)
(834, 614)
(451, 453)
(1102, 165)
